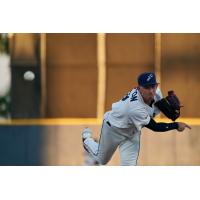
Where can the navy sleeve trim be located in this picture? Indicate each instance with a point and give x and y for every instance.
(161, 127)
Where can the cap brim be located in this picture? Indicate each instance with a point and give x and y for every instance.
(150, 84)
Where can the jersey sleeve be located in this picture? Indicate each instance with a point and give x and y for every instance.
(158, 97)
(158, 94)
(140, 118)
(161, 127)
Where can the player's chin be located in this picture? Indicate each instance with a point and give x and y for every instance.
(151, 97)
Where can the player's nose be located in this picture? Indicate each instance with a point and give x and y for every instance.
(152, 91)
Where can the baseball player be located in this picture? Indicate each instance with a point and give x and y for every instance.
(122, 125)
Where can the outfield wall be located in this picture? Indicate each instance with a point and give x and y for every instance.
(61, 144)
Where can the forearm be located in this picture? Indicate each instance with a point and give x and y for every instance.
(161, 127)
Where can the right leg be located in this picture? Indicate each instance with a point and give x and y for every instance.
(129, 150)
(108, 142)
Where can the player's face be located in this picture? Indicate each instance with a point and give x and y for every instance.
(148, 92)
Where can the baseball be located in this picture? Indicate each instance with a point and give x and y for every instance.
(29, 76)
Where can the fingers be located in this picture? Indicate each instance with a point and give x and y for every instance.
(180, 130)
(187, 126)
(182, 126)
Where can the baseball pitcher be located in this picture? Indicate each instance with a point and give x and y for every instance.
(122, 125)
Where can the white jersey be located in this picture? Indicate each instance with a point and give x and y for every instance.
(132, 112)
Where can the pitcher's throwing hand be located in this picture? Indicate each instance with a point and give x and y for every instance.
(182, 126)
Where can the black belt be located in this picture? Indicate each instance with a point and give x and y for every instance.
(108, 123)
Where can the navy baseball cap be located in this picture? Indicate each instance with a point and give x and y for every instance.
(147, 79)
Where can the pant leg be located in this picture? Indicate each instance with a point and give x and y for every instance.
(108, 143)
(129, 150)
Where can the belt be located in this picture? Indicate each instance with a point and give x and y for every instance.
(108, 123)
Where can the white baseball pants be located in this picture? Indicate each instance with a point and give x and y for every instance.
(110, 138)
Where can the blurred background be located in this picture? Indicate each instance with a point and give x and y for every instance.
(74, 78)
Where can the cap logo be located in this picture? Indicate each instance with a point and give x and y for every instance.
(149, 77)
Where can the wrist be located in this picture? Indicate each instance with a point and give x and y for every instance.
(176, 126)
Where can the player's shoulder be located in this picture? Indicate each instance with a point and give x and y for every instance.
(139, 113)
(138, 107)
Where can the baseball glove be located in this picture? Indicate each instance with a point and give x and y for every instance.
(170, 106)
